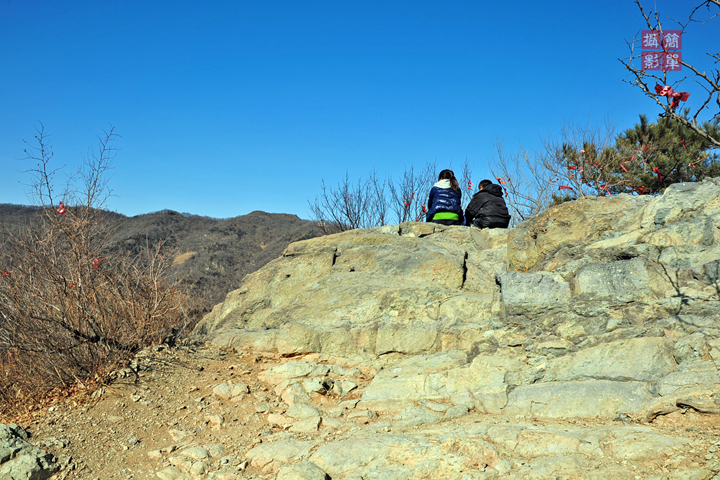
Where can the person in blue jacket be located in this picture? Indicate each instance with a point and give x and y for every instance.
(444, 205)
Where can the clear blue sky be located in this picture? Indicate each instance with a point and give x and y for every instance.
(226, 107)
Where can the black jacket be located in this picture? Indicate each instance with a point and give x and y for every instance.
(488, 202)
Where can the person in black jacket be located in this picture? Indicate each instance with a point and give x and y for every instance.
(487, 209)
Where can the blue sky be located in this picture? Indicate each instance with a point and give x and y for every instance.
(225, 107)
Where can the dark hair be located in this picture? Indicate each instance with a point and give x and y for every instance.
(449, 175)
(484, 184)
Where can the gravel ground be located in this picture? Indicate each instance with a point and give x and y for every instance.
(166, 418)
(129, 429)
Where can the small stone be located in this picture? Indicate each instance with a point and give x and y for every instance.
(336, 411)
(362, 414)
(264, 407)
(171, 473)
(215, 419)
(181, 462)
(457, 411)
(178, 435)
(301, 411)
(216, 450)
(277, 419)
(198, 468)
(196, 453)
(331, 423)
(291, 397)
(133, 440)
(307, 425)
(347, 387)
(155, 454)
(314, 384)
(301, 471)
(350, 404)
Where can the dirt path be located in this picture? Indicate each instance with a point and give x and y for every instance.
(168, 407)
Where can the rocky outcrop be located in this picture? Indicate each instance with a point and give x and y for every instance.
(601, 307)
(410, 289)
(20, 460)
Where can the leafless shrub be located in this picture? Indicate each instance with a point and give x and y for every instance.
(70, 309)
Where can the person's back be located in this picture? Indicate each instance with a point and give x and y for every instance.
(487, 209)
(444, 205)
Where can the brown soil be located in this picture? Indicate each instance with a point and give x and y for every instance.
(110, 433)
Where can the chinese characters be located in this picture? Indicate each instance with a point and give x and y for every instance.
(669, 42)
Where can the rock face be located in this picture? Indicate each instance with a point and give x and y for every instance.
(601, 307)
(19, 460)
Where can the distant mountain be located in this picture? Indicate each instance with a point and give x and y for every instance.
(212, 255)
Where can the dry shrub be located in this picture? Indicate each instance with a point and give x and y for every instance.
(69, 308)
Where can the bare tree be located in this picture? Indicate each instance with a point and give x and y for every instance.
(408, 196)
(528, 186)
(373, 201)
(378, 201)
(580, 161)
(708, 81)
(466, 184)
(350, 205)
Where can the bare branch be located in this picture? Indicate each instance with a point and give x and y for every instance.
(710, 82)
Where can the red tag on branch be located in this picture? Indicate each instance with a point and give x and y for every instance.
(655, 169)
(677, 97)
(604, 187)
(61, 210)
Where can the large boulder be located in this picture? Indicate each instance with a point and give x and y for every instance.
(591, 308)
(412, 288)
